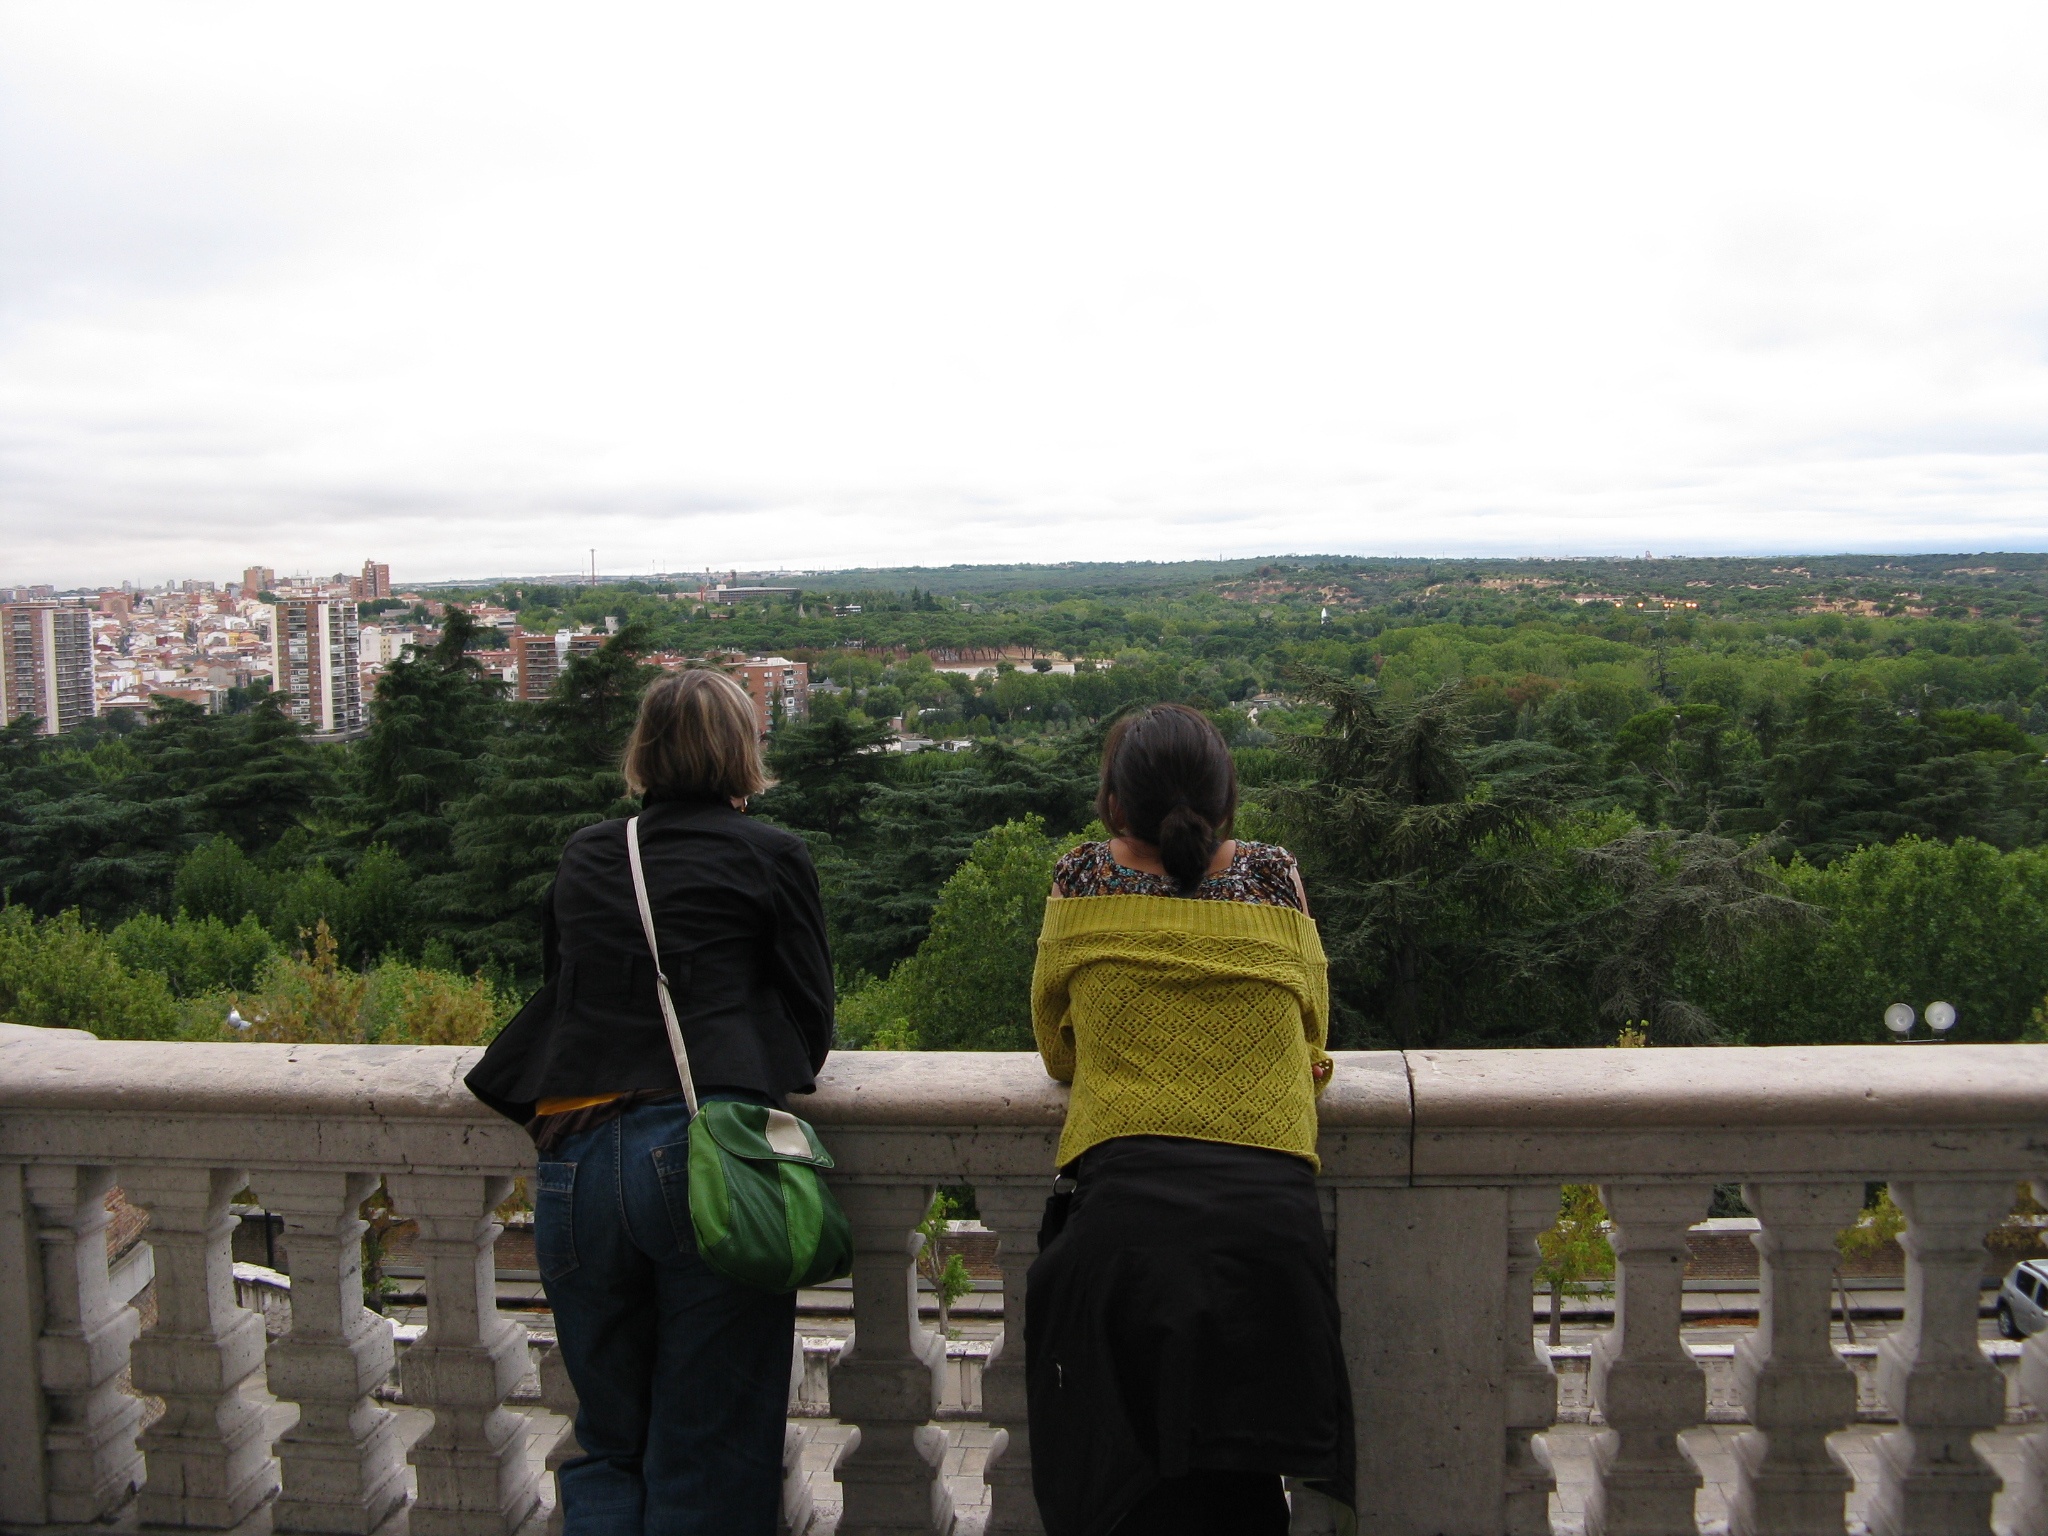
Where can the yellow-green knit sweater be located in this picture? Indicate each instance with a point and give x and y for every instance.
(1176, 1017)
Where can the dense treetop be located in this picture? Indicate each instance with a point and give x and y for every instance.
(1534, 800)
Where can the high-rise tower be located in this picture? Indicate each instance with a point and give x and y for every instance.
(46, 664)
(316, 657)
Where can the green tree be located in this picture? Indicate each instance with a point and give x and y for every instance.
(1914, 921)
(557, 773)
(433, 718)
(62, 973)
(270, 782)
(1414, 846)
(218, 880)
(1463, 901)
(1669, 905)
(941, 1265)
(1575, 1251)
(968, 986)
(370, 912)
(194, 955)
(921, 825)
(826, 771)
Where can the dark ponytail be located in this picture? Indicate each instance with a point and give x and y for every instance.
(1186, 845)
(1175, 786)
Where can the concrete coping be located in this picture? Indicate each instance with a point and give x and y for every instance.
(1436, 1093)
(1864, 1087)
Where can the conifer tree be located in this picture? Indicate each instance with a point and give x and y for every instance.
(826, 771)
(434, 717)
(269, 779)
(68, 841)
(555, 771)
(1465, 900)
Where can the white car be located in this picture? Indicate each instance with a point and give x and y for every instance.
(2023, 1300)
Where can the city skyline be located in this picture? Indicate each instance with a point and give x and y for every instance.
(834, 290)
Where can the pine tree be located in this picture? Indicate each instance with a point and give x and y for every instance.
(270, 780)
(553, 773)
(826, 771)
(69, 840)
(434, 717)
(1412, 841)
(1465, 900)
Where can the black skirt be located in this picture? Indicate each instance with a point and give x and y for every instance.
(1183, 1319)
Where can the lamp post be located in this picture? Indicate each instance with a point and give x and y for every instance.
(1899, 1019)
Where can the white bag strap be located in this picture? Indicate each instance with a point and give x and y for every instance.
(668, 1004)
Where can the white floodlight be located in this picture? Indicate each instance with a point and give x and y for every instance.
(1941, 1017)
(1899, 1018)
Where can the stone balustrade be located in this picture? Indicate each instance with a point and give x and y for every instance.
(1439, 1169)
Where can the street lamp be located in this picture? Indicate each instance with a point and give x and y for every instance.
(1899, 1019)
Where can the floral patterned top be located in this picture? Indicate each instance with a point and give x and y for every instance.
(1260, 872)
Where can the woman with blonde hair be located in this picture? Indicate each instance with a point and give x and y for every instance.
(682, 1374)
(1182, 1344)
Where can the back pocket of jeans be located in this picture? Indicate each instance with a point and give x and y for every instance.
(554, 1219)
(672, 1169)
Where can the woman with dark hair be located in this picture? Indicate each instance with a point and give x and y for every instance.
(1183, 1353)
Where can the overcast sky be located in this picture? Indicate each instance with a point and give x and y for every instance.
(472, 289)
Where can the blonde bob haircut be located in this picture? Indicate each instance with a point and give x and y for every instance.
(696, 735)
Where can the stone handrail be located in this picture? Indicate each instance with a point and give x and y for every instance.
(1439, 1169)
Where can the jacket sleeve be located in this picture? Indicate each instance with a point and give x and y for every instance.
(1315, 1024)
(1049, 1025)
(803, 955)
(550, 938)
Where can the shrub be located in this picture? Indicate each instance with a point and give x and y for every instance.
(195, 955)
(64, 974)
(311, 996)
(218, 880)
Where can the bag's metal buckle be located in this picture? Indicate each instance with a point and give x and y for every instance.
(1065, 1184)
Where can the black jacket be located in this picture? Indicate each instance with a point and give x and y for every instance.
(742, 936)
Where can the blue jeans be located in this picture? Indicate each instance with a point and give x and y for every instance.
(682, 1375)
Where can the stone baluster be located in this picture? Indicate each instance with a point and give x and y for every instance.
(207, 1460)
(799, 1510)
(471, 1466)
(558, 1395)
(1797, 1390)
(1015, 1211)
(343, 1468)
(73, 1460)
(1931, 1479)
(1530, 1380)
(886, 1386)
(1643, 1378)
(2027, 1514)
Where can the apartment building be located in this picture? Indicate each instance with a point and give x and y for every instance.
(779, 687)
(316, 657)
(541, 658)
(46, 665)
(257, 580)
(375, 581)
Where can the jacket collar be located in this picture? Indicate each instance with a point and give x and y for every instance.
(682, 805)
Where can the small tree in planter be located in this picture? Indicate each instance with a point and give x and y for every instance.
(1575, 1251)
(947, 1271)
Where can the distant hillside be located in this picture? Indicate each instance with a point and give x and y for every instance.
(1974, 585)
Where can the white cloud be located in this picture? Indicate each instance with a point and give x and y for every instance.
(474, 288)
